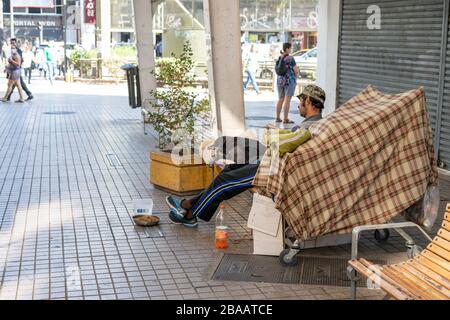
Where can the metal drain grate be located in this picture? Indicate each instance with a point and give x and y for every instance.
(59, 113)
(153, 232)
(113, 160)
(318, 271)
(253, 268)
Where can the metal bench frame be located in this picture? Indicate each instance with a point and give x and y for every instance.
(412, 248)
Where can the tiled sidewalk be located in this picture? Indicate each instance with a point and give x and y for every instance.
(65, 214)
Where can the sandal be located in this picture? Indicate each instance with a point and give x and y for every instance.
(19, 101)
(288, 121)
(146, 220)
(278, 120)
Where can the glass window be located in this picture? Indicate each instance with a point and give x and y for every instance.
(265, 15)
(20, 10)
(178, 14)
(34, 10)
(304, 15)
(48, 10)
(198, 12)
(58, 6)
(121, 14)
(6, 6)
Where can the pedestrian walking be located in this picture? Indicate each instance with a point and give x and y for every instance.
(14, 72)
(50, 62)
(40, 61)
(28, 58)
(13, 43)
(250, 67)
(287, 74)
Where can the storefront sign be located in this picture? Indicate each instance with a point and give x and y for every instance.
(33, 3)
(90, 11)
(33, 21)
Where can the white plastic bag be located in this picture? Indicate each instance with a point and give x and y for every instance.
(431, 202)
(425, 211)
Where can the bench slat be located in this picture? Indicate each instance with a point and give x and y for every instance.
(447, 216)
(430, 273)
(428, 281)
(433, 247)
(389, 278)
(444, 234)
(423, 260)
(436, 259)
(426, 276)
(391, 290)
(443, 243)
(413, 284)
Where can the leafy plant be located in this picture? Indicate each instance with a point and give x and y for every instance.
(129, 52)
(176, 108)
(76, 56)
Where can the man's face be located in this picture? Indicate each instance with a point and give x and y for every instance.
(302, 108)
(13, 44)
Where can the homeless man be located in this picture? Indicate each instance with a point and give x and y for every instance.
(237, 178)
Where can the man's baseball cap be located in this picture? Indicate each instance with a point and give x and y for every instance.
(314, 92)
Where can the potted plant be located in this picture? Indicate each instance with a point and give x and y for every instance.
(175, 110)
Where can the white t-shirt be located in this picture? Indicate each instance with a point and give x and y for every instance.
(27, 59)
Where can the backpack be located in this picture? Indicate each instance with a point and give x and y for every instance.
(280, 67)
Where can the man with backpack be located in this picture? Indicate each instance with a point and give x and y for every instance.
(287, 73)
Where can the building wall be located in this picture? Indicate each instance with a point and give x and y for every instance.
(328, 42)
(26, 22)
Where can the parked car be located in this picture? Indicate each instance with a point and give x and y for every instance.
(300, 52)
(307, 63)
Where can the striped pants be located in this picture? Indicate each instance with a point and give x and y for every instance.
(233, 180)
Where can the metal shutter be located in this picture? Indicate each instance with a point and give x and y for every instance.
(403, 55)
(444, 132)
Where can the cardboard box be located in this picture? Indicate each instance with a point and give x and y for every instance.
(267, 225)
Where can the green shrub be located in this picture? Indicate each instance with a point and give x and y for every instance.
(176, 108)
(124, 52)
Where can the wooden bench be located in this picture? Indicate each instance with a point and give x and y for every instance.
(425, 277)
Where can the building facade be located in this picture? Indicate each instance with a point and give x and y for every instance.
(262, 21)
(34, 23)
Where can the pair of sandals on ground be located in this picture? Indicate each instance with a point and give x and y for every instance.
(287, 121)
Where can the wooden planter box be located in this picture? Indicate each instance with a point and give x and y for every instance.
(179, 179)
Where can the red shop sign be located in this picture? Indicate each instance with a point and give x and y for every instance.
(89, 11)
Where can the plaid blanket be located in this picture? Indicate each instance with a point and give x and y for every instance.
(367, 162)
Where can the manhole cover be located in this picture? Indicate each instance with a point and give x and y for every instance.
(320, 271)
(59, 113)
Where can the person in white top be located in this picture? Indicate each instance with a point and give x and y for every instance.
(28, 58)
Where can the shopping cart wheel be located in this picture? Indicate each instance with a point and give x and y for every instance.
(382, 235)
(413, 251)
(286, 261)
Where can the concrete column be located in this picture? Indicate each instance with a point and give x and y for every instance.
(223, 45)
(105, 27)
(328, 45)
(143, 20)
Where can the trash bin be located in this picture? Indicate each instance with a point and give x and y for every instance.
(134, 91)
